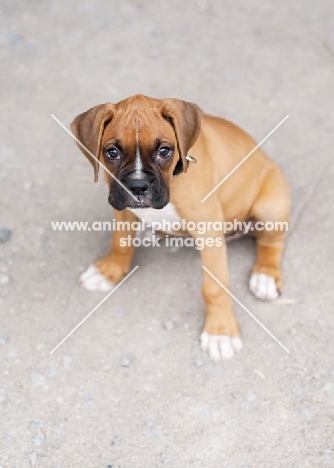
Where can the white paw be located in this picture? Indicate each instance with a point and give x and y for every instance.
(263, 287)
(220, 346)
(92, 280)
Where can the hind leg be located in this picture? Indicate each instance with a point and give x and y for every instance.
(271, 211)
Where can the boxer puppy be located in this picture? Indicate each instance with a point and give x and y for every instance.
(144, 143)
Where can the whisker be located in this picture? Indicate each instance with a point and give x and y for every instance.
(103, 195)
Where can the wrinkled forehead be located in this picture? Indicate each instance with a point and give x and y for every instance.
(135, 124)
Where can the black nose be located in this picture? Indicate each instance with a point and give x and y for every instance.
(138, 186)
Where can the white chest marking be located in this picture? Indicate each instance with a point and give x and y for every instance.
(138, 163)
(167, 213)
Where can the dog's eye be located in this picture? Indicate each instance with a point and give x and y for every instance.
(112, 154)
(164, 152)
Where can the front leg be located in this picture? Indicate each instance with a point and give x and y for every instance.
(221, 335)
(109, 270)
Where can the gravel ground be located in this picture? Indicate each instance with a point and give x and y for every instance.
(131, 388)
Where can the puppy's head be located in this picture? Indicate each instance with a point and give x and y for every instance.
(141, 143)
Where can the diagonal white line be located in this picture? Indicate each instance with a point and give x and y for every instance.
(248, 312)
(94, 157)
(95, 308)
(243, 160)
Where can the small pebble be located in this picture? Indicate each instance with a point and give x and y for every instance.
(244, 405)
(88, 399)
(4, 279)
(156, 351)
(328, 387)
(67, 360)
(4, 339)
(5, 235)
(150, 388)
(126, 360)
(33, 458)
(38, 380)
(58, 430)
(51, 372)
(114, 441)
(35, 425)
(251, 397)
(169, 325)
(38, 439)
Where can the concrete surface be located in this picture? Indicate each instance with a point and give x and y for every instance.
(166, 404)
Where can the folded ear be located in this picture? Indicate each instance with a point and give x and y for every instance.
(88, 128)
(185, 118)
